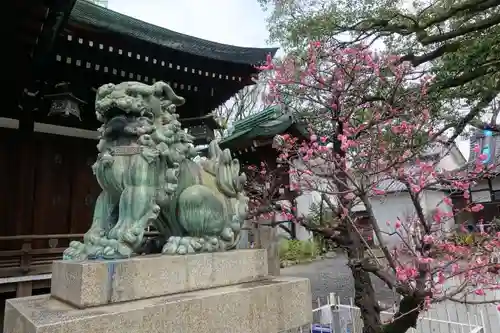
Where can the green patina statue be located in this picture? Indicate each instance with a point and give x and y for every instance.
(148, 173)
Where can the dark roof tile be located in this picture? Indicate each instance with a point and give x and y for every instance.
(88, 13)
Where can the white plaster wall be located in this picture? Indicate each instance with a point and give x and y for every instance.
(390, 208)
(399, 205)
(434, 199)
(449, 162)
(393, 206)
(304, 203)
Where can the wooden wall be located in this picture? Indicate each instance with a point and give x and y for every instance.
(48, 186)
(9, 174)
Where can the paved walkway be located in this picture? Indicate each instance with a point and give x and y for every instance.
(333, 276)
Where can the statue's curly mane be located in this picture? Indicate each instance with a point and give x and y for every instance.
(143, 113)
(133, 98)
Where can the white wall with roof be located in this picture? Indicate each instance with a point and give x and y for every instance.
(395, 205)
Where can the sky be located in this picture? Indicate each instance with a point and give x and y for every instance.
(236, 22)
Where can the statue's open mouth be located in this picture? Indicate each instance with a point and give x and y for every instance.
(119, 123)
(115, 112)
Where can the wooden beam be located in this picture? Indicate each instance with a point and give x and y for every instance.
(146, 59)
(53, 23)
(24, 289)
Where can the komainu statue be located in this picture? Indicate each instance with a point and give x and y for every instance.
(148, 173)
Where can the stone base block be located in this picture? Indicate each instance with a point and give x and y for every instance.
(98, 282)
(273, 305)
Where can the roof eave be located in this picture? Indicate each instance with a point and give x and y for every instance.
(86, 13)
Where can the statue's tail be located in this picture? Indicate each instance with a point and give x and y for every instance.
(231, 237)
(230, 183)
(232, 234)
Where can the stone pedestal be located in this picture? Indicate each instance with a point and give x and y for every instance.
(267, 238)
(218, 292)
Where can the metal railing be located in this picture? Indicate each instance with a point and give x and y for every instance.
(334, 317)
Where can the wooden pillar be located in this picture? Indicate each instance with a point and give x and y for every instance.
(25, 189)
(24, 289)
(245, 235)
(267, 238)
(26, 257)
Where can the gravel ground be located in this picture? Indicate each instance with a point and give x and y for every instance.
(332, 275)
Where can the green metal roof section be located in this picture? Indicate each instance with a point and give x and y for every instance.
(269, 122)
(270, 113)
(87, 13)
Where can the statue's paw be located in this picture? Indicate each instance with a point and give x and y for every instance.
(94, 251)
(94, 236)
(75, 251)
(125, 232)
(169, 248)
(227, 235)
(131, 231)
(212, 244)
(75, 245)
(197, 244)
(132, 236)
(109, 252)
(117, 250)
(183, 245)
(104, 242)
(69, 254)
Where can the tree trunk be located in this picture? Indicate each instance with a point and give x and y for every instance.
(407, 315)
(364, 294)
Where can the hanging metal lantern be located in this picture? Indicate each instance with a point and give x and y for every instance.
(64, 103)
(202, 133)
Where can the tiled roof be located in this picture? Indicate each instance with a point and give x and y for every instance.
(271, 113)
(269, 122)
(87, 13)
(391, 185)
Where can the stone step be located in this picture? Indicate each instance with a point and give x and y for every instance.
(272, 305)
(98, 282)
